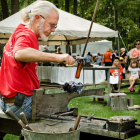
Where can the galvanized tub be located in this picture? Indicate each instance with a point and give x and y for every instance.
(51, 131)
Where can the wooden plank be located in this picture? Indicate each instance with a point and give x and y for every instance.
(10, 126)
(103, 132)
(134, 107)
(34, 102)
(118, 101)
(118, 135)
(4, 35)
(115, 103)
(52, 103)
(100, 68)
(123, 103)
(127, 81)
(117, 94)
(3, 41)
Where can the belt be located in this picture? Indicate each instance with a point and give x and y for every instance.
(11, 100)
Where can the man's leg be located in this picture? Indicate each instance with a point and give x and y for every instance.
(26, 108)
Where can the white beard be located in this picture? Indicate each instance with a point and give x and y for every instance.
(42, 35)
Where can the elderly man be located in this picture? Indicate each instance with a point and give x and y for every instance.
(18, 69)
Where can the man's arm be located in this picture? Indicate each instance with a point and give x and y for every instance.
(33, 55)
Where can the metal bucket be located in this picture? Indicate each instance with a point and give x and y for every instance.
(130, 101)
(51, 131)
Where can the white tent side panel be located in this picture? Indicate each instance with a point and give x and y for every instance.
(94, 47)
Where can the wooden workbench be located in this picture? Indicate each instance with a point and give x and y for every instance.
(95, 130)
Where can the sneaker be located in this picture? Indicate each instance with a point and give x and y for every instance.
(129, 88)
(132, 90)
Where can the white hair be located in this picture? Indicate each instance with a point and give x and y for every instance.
(40, 29)
(40, 8)
(122, 49)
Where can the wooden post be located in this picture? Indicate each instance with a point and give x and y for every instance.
(118, 101)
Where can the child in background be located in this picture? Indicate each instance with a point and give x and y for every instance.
(115, 73)
(133, 73)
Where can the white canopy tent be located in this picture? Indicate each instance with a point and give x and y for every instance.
(93, 47)
(71, 29)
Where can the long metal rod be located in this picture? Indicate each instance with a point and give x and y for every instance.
(122, 41)
(90, 27)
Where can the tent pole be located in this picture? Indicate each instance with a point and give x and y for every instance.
(118, 45)
(119, 57)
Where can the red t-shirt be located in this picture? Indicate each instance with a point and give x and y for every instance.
(16, 76)
(115, 72)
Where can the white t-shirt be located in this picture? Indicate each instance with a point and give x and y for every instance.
(134, 71)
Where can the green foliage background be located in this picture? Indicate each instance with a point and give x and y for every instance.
(127, 11)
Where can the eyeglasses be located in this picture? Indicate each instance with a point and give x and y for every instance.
(137, 44)
(52, 25)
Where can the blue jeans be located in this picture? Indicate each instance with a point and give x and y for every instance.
(26, 108)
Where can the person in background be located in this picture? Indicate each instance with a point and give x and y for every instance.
(98, 59)
(18, 76)
(107, 56)
(123, 61)
(133, 73)
(58, 50)
(88, 58)
(135, 54)
(115, 73)
(46, 50)
(114, 54)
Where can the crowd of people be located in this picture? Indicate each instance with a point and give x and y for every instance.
(133, 68)
(112, 58)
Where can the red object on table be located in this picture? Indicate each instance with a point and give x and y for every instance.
(100, 99)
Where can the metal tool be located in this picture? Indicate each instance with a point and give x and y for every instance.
(90, 117)
(24, 119)
(80, 64)
(11, 114)
(74, 112)
(76, 123)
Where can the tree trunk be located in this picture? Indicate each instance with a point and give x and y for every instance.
(139, 21)
(67, 5)
(75, 7)
(116, 23)
(4, 8)
(14, 6)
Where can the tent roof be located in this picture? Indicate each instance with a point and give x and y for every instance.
(70, 28)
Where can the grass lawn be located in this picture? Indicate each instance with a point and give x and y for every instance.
(100, 109)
